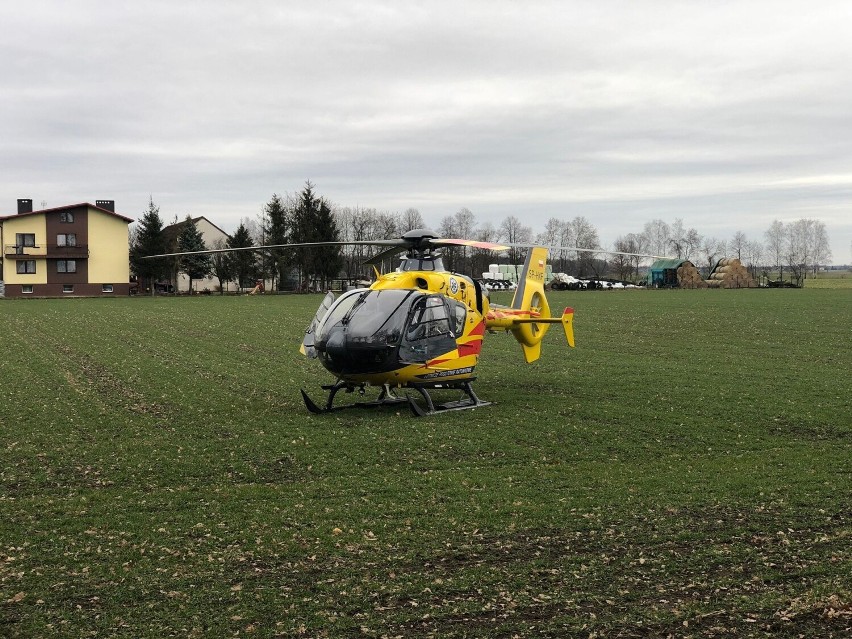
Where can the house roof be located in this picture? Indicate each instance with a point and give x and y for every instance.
(195, 220)
(669, 263)
(65, 208)
(172, 231)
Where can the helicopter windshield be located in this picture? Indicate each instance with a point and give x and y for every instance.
(370, 331)
(369, 317)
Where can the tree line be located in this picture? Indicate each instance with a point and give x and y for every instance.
(301, 218)
(798, 247)
(801, 247)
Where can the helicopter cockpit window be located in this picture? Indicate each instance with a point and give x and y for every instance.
(459, 313)
(430, 330)
(429, 318)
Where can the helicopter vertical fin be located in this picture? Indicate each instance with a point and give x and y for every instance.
(529, 298)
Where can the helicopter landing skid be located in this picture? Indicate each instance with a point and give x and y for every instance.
(387, 397)
(470, 400)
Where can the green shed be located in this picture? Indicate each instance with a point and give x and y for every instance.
(663, 273)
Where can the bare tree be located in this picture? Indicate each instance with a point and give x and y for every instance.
(567, 237)
(358, 224)
(821, 252)
(386, 225)
(711, 249)
(755, 256)
(657, 235)
(738, 244)
(677, 238)
(586, 237)
(691, 243)
(513, 231)
(685, 243)
(481, 258)
(775, 236)
(465, 225)
(410, 219)
(447, 228)
(551, 234)
(622, 263)
(636, 242)
(796, 249)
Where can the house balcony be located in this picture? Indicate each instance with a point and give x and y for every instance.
(13, 250)
(50, 251)
(55, 251)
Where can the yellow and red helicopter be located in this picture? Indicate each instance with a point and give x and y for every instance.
(421, 327)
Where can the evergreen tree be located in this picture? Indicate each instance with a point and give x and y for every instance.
(220, 264)
(196, 267)
(313, 221)
(327, 260)
(149, 240)
(242, 263)
(302, 229)
(276, 231)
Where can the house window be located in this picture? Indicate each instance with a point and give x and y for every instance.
(67, 288)
(25, 266)
(66, 266)
(66, 239)
(22, 240)
(26, 288)
(66, 216)
(106, 288)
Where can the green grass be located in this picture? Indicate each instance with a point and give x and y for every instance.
(685, 471)
(830, 279)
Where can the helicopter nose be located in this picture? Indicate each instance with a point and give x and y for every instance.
(335, 346)
(341, 354)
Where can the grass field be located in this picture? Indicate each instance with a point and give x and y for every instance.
(830, 279)
(685, 471)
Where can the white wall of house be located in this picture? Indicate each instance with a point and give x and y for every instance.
(210, 233)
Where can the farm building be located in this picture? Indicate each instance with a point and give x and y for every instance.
(674, 273)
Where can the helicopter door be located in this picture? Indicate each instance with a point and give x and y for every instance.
(429, 332)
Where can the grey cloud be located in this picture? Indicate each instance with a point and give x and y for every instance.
(620, 111)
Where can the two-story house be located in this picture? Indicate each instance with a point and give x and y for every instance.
(213, 237)
(80, 249)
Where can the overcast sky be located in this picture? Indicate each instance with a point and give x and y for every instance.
(726, 114)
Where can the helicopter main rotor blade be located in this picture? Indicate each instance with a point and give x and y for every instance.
(587, 250)
(379, 257)
(452, 241)
(394, 243)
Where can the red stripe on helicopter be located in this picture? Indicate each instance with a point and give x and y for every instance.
(474, 345)
(434, 362)
(503, 313)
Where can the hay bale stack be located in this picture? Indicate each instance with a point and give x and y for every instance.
(689, 277)
(730, 273)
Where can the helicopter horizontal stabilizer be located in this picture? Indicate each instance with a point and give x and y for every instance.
(567, 321)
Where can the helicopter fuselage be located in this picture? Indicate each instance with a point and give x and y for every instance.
(409, 327)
